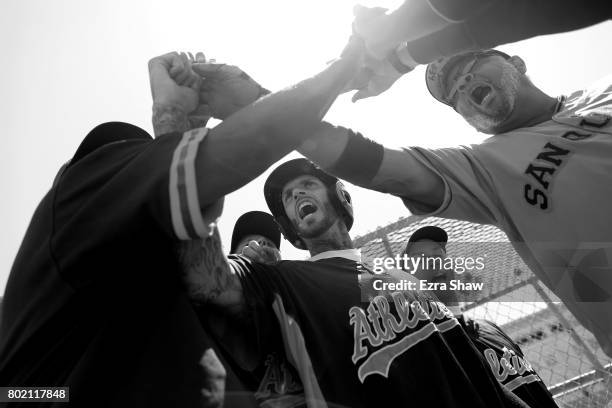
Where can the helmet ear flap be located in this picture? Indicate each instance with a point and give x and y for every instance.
(346, 203)
(343, 195)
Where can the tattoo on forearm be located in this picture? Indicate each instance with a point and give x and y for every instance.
(205, 270)
(168, 119)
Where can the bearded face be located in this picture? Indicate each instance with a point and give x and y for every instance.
(488, 98)
(308, 207)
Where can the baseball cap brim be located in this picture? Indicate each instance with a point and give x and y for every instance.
(431, 232)
(437, 71)
(256, 223)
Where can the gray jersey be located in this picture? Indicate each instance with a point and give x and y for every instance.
(549, 187)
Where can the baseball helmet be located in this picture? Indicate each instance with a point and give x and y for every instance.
(273, 189)
(431, 232)
(255, 223)
(437, 71)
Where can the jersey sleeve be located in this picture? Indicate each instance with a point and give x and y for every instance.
(175, 201)
(130, 185)
(259, 285)
(488, 330)
(467, 186)
(486, 24)
(259, 282)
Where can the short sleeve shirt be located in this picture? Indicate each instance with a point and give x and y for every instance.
(356, 344)
(548, 187)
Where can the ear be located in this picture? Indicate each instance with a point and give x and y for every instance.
(518, 63)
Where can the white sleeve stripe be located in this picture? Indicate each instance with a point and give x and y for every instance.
(175, 205)
(520, 381)
(193, 204)
(447, 325)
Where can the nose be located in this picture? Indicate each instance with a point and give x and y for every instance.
(463, 81)
(297, 193)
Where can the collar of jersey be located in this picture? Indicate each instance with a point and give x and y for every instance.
(352, 254)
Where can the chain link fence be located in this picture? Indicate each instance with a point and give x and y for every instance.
(564, 354)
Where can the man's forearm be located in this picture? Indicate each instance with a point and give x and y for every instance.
(207, 275)
(168, 119)
(345, 154)
(418, 19)
(363, 162)
(252, 139)
(325, 145)
(414, 19)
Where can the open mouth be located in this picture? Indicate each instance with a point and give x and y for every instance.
(305, 208)
(479, 93)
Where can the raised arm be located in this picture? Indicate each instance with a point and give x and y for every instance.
(384, 32)
(216, 292)
(363, 162)
(455, 26)
(251, 139)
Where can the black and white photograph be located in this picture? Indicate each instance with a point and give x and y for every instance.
(322, 204)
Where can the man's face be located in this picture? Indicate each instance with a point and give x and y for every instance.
(425, 249)
(260, 239)
(484, 91)
(308, 207)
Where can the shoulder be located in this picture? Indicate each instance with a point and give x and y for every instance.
(107, 133)
(595, 97)
(487, 327)
(495, 336)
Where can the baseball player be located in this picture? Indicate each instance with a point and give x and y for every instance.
(94, 300)
(504, 356)
(352, 342)
(256, 226)
(546, 155)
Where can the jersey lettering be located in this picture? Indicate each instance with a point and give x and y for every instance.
(543, 174)
(507, 365)
(539, 173)
(413, 322)
(575, 136)
(277, 381)
(595, 120)
(538, 196)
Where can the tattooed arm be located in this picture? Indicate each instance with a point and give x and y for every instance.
(251, 139)
(175, 88)
(399, 173)
(207, 275)
(216, 292)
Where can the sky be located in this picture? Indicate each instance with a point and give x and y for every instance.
(70, 65)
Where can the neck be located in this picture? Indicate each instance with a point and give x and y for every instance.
(334, 239)
(531, 107)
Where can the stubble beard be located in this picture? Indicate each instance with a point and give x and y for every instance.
(322, 226)
(509, 85)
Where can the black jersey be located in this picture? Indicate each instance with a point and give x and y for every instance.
(508, 363)
(94, 301)
(354, 345)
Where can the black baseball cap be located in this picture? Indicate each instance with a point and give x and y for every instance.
(256, 223)
(431, 232)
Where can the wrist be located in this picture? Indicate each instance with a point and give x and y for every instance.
(401, 59)
(168, 118)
